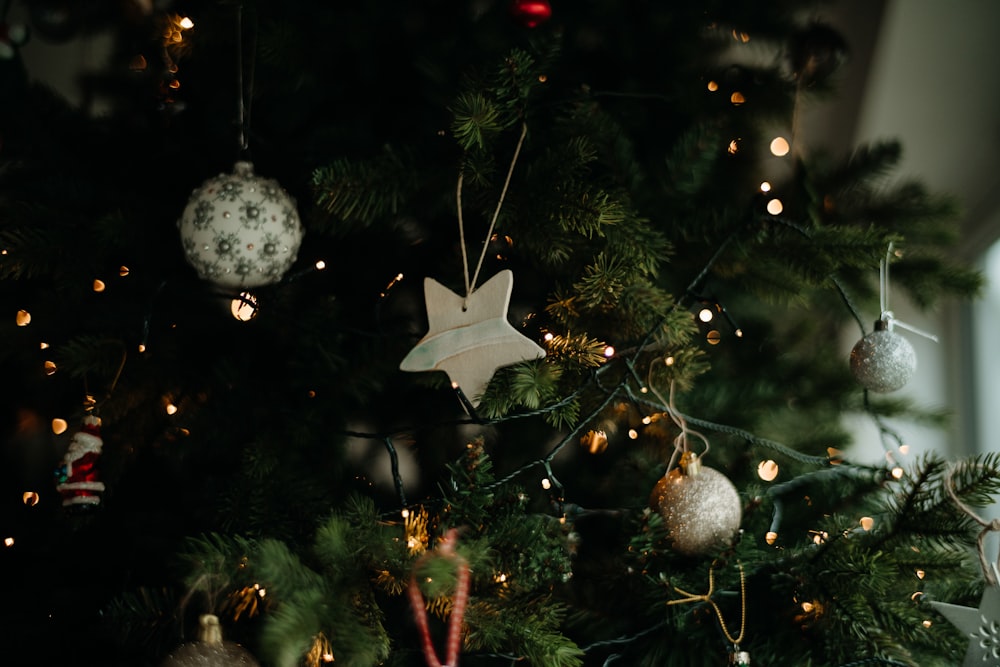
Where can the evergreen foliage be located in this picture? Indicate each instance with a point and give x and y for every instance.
(304, 480)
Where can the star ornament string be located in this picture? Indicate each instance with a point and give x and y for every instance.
(446, 549)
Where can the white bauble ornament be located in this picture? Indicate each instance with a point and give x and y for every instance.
(210, 650)
(240, 230)
(700, 507)
(883, 361)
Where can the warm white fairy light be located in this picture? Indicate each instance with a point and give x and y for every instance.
(920, 574)
(633, 434)
(548, 337)
(609, 351)
(320, 265)
(904, 449)
(927, 623)
(774, 207)
(765, 187)
(771, 537)
(29, 498)
(170, 408)
(123, 271)
(712, 86)
(186, 23)
(669, 361)
(405, 512)
(734, 147)
(779, 147)
(867, 522)
(546, 484)
(767, 470)
(23, 318)
(713, 337)
(8, 541)
(647, 420)
(244, 307)
(43, 346)
(705, 314)
(98, 285)
(59, 425)
(50, 368)
(897, 473)
(737, 98)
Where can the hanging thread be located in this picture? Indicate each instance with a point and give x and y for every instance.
(991, 571)
(245, 96)
(470, 283)
(707, 598)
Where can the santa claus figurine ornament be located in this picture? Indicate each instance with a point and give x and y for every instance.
(77, 478)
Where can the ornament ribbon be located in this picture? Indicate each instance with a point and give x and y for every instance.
(446, 549)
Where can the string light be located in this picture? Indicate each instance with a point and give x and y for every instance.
(59, 425)
(30, 498)
(765, 186)
(546, 484)
(8, 541)
(633, 434)
(867, 522)
(50, 368)
(669, 361)
(713, 86)
(774, 207)
(609, 351)
(734, 147)
(320, 265)
(244, 307)
(737, 98)
(98, 285)
(779, 147)
(705, 315)
(123, 271)
(767, 470)
(771, 537)
(23, 318)
(170, 408)
(897, 473)
(548, 337)
(713, 337)
(186, 23)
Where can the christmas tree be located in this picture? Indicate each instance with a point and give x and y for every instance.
(415, 333)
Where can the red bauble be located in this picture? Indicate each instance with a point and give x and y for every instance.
(531, 13)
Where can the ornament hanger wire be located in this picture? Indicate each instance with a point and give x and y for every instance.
(681, 441)
(245, 96)
(885, 314)
(470, 283)
(707, 599)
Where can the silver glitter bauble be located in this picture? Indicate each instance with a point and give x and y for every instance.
(240, 230)
(883, 361)
(702, 511)
(210, 650)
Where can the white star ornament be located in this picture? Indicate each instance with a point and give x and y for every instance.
(470, 338)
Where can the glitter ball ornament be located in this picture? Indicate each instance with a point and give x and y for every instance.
(210, 650)
(883, 361)
(700, 506)
(240, 230)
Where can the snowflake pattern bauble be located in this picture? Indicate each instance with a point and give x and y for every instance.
(883, 361)
(240, 230)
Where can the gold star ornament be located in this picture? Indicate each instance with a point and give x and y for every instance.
(470, 338)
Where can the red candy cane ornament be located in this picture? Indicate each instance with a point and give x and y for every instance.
(446, 549)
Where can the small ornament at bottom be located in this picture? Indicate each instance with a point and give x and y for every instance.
(739, 657)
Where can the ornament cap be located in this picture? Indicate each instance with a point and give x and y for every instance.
(882, 325)
(243, 168)
(209, 630)
(690, 464)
